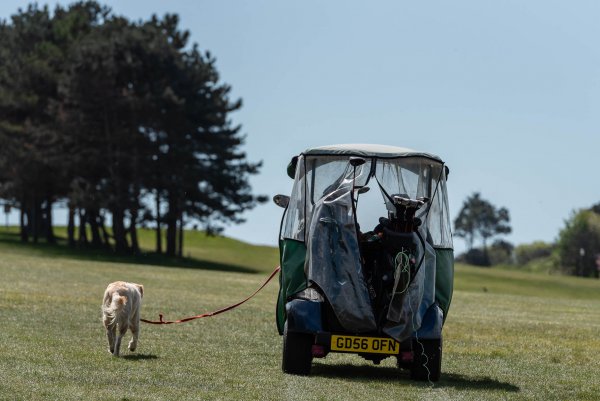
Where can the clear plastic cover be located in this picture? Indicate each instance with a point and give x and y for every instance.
(333, 256)
(345, 261)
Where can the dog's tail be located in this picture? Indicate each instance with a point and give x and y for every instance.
(113, 309)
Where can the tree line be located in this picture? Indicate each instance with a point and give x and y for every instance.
(116, 119)
(575, 252)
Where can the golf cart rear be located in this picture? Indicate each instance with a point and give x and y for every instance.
(373, 277)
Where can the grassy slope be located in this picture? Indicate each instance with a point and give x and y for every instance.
(200, 251)
(524, 336)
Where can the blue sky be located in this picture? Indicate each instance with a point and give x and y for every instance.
(507, 93)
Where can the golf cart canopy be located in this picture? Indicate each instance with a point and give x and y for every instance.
(369, 151)
(395, 170)
(324, 227)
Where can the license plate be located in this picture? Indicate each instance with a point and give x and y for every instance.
(372, 345)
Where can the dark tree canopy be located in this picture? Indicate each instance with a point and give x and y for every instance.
(479, 219)
(116, 118)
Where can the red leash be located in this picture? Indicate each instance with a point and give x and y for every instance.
(225, 309)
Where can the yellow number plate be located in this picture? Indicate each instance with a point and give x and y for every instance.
(372, 345)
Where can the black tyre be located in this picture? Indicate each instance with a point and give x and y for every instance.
(427, 360)
(297, 352)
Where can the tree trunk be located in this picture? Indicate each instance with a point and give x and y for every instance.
(82, 228)
(180, 245)
(50, 238)
(119, 232)
(135, 247)
(28, 222)
(105, 234)
(171, 220)
(71, 226)
(35, 221)
(94, 228)
(486, 258)
(158, 229)
(171, 235)
(22, 223)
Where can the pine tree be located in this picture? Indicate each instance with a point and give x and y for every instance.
(116, 117)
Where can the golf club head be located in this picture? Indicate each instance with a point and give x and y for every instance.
(281, 200)
(356, 161)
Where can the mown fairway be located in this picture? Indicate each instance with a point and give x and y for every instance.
(510, 335)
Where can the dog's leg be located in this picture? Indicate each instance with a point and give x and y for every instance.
(122, 330)
(117, 345)
(135, 331)
(110, 334)
(118, 342)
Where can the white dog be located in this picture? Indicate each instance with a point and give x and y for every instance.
(120, 312)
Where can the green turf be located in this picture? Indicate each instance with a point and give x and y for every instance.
(509, 336)
(200, 251)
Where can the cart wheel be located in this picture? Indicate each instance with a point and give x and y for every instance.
(427, 362)
(297, 352)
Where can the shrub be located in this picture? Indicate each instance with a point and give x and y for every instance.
(474, 257)
(579, 244)
(501, 252)
(525, 253)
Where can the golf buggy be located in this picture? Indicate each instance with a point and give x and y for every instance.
(374, 277)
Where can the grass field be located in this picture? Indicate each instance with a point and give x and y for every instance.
(509, 336)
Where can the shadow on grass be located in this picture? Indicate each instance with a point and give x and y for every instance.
(139, 357)
(474, 383)
(62, 250)
(387, 374)
(357, 373)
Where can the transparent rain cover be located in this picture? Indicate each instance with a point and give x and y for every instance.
(322, 215)
(333, 259)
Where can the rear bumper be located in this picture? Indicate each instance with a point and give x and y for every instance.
(304, 316)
